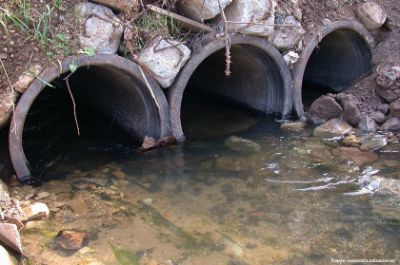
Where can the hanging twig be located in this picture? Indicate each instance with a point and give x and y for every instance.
(73, 104)
(227, 41)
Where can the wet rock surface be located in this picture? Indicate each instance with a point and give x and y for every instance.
(72, 239)
(354, 154)
(333, 128)
(242, 145)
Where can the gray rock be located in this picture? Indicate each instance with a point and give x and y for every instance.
(384, 108)
(392, 123)
(351, 110)
(395, 109)
(378, 117)
(255, 17)
(374, 143)
(200, 10)
(242, 145)
(102, 30)
(333, 128)
(288, 35)
(372, 15)
(388, 81)
(367, 124)
(323, 109)
(164, 58)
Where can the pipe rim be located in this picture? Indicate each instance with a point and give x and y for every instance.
(176, 91)
(154, 92)
(300, 66)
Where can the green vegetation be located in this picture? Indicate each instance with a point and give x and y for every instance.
(36, 25)
(124, 257)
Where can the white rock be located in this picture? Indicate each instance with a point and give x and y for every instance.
(7, 103)
(372, 15)
(288, 35)
(102, 30)
(36, 211)
(291, 57)
(252, 16)
(164, 58)
(200, 10)
(6, 258)
(27, 78)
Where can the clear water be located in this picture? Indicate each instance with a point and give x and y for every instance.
(203, 203)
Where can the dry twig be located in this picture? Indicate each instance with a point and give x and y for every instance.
(73, 104)
(227, 41)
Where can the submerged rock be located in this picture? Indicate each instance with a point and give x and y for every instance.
(242, 145)
(354, 154)
(293, 126)
(164, 58)
(72, 239)
(367, 124)
(102, 30)
(255, 17)
(374, 143)
(200, 10)
(333, 128)
(386, 206)
(36, 211)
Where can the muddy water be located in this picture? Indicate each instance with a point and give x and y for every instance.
(203, 203)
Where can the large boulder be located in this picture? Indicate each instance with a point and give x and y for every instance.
(351, 110)
(372, 15)
(164, 58)
(388, 81)
(287, 34)
(252, 16)
(200, 10)
(102, 29)
(323, 109)
(333, 128)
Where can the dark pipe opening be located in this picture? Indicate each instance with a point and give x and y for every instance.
(50, 133)
(117, 106)
(337, 61)
(259, 83)
(255, 81)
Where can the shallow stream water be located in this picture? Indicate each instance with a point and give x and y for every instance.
(202, 203)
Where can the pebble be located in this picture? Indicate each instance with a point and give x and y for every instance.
(72, 239)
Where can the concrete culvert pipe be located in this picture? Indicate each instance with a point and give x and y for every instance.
(333, 59)
(260, 79)
(111, 85)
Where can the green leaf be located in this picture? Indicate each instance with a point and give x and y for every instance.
(88, 51)
(73, 67)
(124, 257)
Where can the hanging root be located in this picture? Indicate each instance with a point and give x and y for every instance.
(228, 60)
